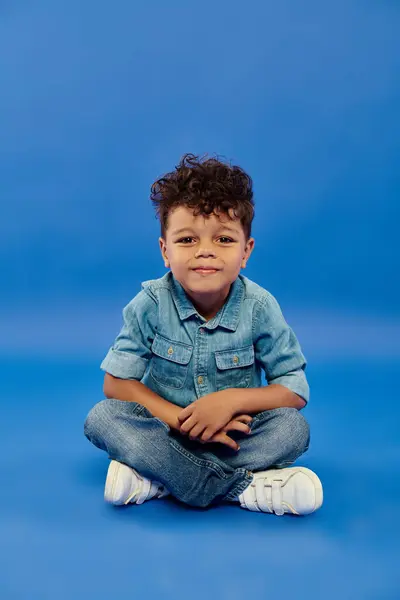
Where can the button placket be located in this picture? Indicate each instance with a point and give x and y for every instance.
(201, 379)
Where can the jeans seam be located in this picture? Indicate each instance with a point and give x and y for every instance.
(200, 462)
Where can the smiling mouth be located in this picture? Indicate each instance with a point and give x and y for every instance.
(205, 271)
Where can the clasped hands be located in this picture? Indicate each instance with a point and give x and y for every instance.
(209, 418)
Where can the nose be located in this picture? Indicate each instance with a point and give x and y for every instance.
(205, 252)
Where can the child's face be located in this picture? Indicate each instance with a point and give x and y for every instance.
(208, 241)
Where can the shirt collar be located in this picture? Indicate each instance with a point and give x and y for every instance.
(227, 316)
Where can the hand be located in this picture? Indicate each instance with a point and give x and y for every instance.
(207, 415)
(239, 423)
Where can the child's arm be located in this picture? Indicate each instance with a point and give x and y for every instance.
(278, 352)
(135, 391)
(255, 400)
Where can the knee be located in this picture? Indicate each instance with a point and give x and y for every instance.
(106, 417)
(296, 427)
(98, 419)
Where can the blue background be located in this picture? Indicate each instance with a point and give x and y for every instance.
(96, 102)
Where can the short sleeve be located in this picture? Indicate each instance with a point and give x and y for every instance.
(129, 356)
(278, 350)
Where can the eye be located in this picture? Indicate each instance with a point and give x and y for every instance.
(190, 238)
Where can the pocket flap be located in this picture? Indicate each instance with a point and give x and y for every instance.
(171, 350)
(236, 357)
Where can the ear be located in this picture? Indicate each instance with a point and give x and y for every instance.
(163, 249)
(248, 250)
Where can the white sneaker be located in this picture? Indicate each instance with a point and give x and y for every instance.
(295, 490)
(124, 485)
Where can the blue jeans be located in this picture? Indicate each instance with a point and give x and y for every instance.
(196, 474)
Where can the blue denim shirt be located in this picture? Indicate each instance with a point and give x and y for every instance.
(168, 346)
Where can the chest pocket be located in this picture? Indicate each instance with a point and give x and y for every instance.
(169, 363)
(234, 367)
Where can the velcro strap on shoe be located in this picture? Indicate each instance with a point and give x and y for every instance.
(248, 498)
(263, 494)
(277, 497)
(144, 490)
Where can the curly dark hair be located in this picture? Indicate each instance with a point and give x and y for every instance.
(206, 185)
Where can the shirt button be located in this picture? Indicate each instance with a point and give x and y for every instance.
(201, 330)
(235, 359)
(200, 379)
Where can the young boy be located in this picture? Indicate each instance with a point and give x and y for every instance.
(185, 412)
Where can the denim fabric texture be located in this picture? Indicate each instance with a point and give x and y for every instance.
(196, 474)
(168, 346)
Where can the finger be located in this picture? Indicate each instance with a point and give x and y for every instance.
(225, 439)
(243, 418)
(207, 434)
(188, 424)
(195, 433)
(185, 413)
(237, 426)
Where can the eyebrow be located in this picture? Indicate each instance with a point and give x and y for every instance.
(223, 227)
